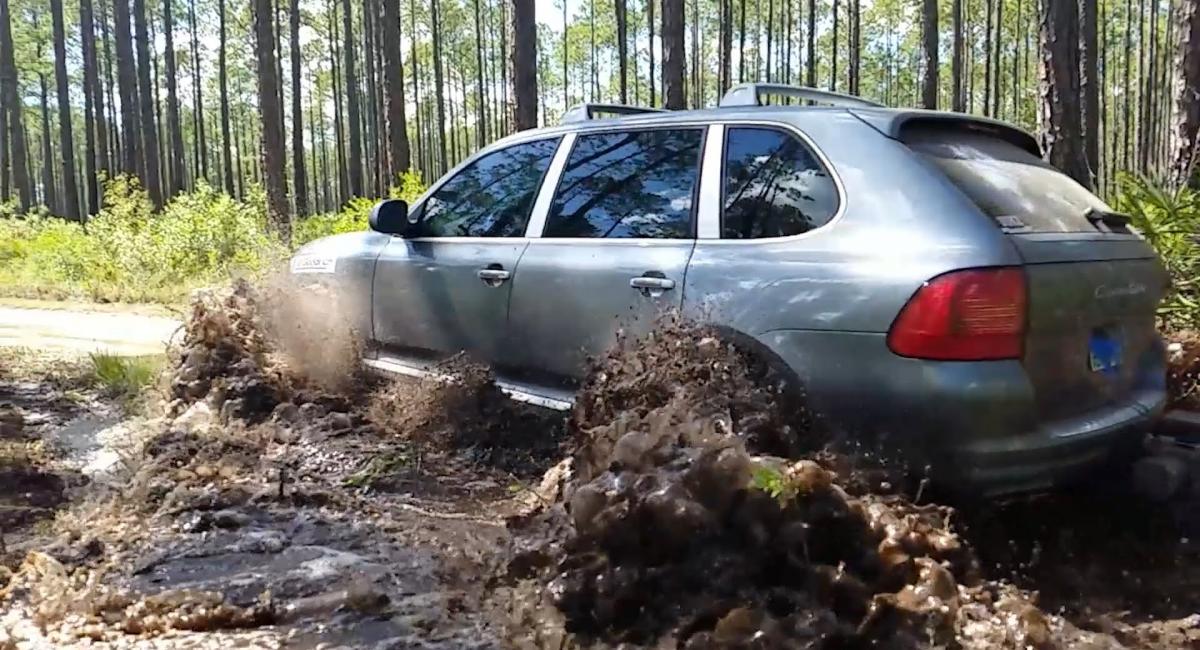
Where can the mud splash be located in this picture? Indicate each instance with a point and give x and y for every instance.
(675, 532)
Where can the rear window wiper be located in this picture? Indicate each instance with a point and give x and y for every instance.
(1114, 220)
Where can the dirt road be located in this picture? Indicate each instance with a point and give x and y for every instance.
(84, 331)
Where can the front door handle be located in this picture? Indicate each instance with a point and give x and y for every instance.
(493, 275)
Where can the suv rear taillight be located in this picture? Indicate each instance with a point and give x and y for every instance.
(972, 315)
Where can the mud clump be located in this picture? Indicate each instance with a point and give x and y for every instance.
(674, 532)
(688, 364)
(463, 410)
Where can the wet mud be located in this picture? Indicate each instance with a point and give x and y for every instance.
(688, 501)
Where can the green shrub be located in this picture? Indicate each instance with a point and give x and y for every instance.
(1170, 221)
(353, 217)
(130, 253)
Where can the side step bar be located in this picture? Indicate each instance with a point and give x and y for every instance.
(517, 391)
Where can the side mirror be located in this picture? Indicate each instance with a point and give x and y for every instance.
(390, 217)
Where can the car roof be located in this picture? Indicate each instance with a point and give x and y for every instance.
(888, 121)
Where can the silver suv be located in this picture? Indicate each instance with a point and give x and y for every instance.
(925, 276)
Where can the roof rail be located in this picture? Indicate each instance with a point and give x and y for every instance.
(748, 94)
(585, 112)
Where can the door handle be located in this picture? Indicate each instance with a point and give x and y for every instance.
(493, 277)
(650, 283)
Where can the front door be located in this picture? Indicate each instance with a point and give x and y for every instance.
(614, 250)
(447, 289)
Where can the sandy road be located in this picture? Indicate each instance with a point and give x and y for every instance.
(85, 331)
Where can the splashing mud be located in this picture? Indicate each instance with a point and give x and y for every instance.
(464, 409)
(673, 532)
(1183, 369)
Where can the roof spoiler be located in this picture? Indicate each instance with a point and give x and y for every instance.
(585, 112)
(750, 94)
(894, 123)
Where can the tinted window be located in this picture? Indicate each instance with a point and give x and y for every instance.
(774, 186)
(1011, 185)
(628, 184)
(492, 196)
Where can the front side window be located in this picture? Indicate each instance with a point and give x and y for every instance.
(491, 197)
(628, 184)
(774, 186)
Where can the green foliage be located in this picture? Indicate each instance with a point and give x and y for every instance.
(130, 253)
(1170, 221)
(353, 216)
(122, 376)
(775, 482)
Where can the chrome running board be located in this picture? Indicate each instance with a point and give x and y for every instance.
(517, 391)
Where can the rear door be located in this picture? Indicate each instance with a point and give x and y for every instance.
(447, 289)
(618, 234)
(1094, 285)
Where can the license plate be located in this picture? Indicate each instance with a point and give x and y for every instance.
(1104, 353)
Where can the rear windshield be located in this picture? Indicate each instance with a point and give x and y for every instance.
(1019, 190)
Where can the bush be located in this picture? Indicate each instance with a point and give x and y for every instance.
(130, 253)
(353, 217)
(1170, 221)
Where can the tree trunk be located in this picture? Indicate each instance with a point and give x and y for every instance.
(672, 41)
(223, 79)
(5, 190)
(299, 175)
(1062, 126)
(958, 102)
(370, 108)
(1089, 62)
(833, 61)
(70, 199)
(594, 72)
(48, 195)
(770, 34)
(987, 59)
(929, 37)
(1126, 93)
(151, 180)
(199, 146)
(997, 86)
(272, 122)
(524, 64)
(95, 131)
(174, 127)
(811, 56)
(725, 28)
(413, 63)
(650, 43)
(1187, 101)
(131, 159)
(354, 161)
(394, 89)
(481, 133)
(856, 48)
(438, 81)
(622, 48)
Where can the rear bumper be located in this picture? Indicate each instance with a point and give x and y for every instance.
(975, 423)
(1055, 454)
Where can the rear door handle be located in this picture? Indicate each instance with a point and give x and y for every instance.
(651, 283)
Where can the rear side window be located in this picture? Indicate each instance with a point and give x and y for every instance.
(491, 197)
(1020, 191)
(628, 184)
(774, 186)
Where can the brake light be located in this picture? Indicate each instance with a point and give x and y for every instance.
(972, 315)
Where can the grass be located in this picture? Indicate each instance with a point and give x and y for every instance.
(125, 377)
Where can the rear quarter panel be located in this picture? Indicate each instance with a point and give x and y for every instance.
(899, 224)
(823, 301)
